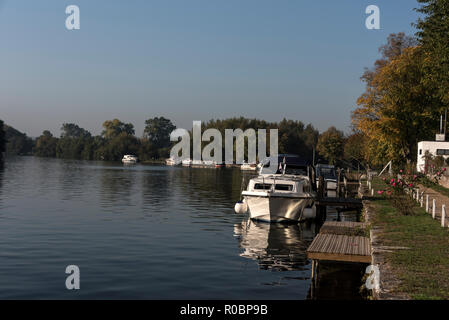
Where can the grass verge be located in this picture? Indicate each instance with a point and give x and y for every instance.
(422, 269)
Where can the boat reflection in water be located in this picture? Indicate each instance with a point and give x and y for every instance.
(275, 246)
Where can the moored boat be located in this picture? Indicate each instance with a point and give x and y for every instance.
(187, 162)
(248, 166)
(129, 159)
(330, 179)
(281, 196)
(170, 162)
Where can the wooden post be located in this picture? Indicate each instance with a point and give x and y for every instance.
(443, 215)
(338, 183)
(427, 203)
(421, 200)
(372, 192)
(434, 205)
(417, 194)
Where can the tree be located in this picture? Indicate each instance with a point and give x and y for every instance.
(158, 130)
(17, 143)
(433, 34)
(113, 128)
(71, 130)
(75, 143)
(354, 149)
(330, 145)
(398, 108)
(2, 140)
(46, 145)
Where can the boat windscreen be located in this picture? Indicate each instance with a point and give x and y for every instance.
(327, 173)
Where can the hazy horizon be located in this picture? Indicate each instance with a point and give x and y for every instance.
(199, 60)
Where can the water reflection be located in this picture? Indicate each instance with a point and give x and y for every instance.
(275, 246)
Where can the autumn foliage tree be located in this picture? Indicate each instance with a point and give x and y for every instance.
(331, 145)
(398, 108)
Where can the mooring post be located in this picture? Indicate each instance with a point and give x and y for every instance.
(417, 194)
(427, 203)
(434, 205)
(443, 215)
(421, 200)
(372, 192)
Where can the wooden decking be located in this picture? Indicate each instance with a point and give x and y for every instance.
(339, 202)
(341, 241)
(347, 228)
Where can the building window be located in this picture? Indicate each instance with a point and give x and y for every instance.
(420, 151)
(442, 152)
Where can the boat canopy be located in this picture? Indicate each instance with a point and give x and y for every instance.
(294, 164)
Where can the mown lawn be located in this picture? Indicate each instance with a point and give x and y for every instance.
(424, 268)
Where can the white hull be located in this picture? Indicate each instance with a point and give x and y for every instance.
(129, 161)
(276, 208)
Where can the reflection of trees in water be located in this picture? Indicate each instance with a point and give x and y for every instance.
(116, 186)
(275, 246)
(157, 186)
(73, 179)
(2, 168)
(209, 185)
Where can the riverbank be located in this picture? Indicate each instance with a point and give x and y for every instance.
(412, 251)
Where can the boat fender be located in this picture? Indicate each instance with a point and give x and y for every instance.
(241, 207)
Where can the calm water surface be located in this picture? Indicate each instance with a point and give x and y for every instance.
(140, 232)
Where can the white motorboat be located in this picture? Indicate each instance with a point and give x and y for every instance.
(280, 196)
(248, 166)
(187, 162)
(330, 179)
(170, 162)
(129, 159)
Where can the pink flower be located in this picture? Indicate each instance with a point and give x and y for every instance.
(394, 184)
(444, 169)
(400, 171)
(380, 192)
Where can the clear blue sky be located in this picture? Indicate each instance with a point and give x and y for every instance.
(188, 60)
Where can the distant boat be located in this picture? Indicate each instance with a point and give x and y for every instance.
(170, 162)
(129, 159)
(248, 167)
(187, 162)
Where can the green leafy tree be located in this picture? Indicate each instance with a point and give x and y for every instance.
(158, 130)
(71, 130)
(46, 145)
(17, 143)
(433, 34)
(331, 145)
(75, 143)
(113, 128)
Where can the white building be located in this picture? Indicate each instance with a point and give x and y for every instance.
(435, 148)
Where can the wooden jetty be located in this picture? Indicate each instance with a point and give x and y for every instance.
(340, 242)
(338, 247)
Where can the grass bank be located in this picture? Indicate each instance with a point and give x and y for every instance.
(423, 268)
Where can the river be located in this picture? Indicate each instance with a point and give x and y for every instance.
(140, 232)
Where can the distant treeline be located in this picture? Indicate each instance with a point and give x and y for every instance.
(118, 138)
